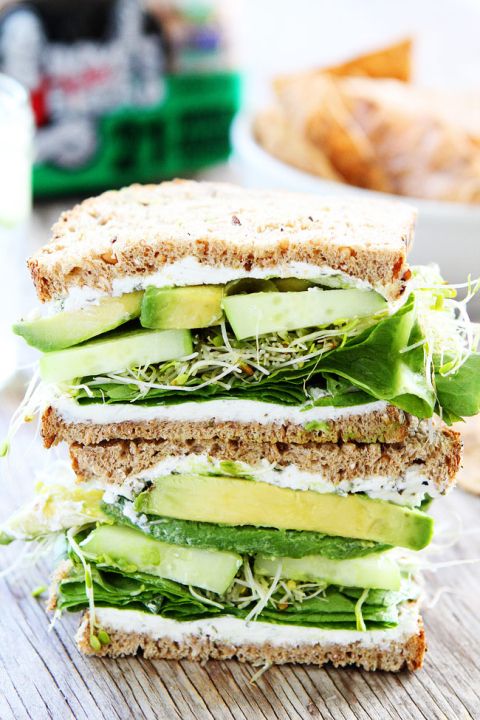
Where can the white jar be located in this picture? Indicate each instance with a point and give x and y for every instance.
(16, 134)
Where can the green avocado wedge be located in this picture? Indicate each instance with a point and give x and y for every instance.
(180, 308)
(132, 551)
(114, 353)
(264, 312)
(246, 539)
(231, 501)
(66, 329)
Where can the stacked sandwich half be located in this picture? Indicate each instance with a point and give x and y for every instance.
(250, 385)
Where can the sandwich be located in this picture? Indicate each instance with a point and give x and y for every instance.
(255, 389)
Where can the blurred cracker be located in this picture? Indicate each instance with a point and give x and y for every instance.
(345, 143)
(381, 133)
(393, 61)
(316, 107)
(282, 140)
(469, 475)
(313, 103)
(424, 144)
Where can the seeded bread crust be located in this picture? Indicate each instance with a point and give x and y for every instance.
(61, 572)
(438, 458)
(136, 231)
(391, 425)
(408, 654)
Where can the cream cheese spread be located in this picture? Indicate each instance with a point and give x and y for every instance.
(408, 489)
(226, 410)
(236, 631)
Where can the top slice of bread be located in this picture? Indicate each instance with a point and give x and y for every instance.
(136, 231)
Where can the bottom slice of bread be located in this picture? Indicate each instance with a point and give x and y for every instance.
(225, 638)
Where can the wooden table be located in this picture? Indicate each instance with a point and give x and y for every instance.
(42, 675)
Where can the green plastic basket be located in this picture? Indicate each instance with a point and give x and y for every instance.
(187, 131)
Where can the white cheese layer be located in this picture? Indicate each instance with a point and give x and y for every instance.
(243, 411)
(238, 632)
(408, 489)
(190, 271)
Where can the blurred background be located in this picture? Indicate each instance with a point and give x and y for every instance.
(375, 98)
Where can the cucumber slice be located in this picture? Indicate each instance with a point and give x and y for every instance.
(132, 551)
(231, 501)
(73, 327)
(260, 313)
(378, 570)
(180, 308)
(115, 353)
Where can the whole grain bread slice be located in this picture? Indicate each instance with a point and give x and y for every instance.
(406, 653)
(389, 425)
(137, 231)
(436, 458)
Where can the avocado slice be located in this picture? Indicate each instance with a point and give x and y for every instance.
(260, 313)
(73, 327)
(232, 501)
(132, 551)
(293, 284)
(246, 540)
(379, 570)
(115, 353)
(250, 285)
(197, 306)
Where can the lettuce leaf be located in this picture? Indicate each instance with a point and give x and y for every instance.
(335, 608)
(377, 363)
(458, 394)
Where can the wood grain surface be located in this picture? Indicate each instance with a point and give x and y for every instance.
(42, 675)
